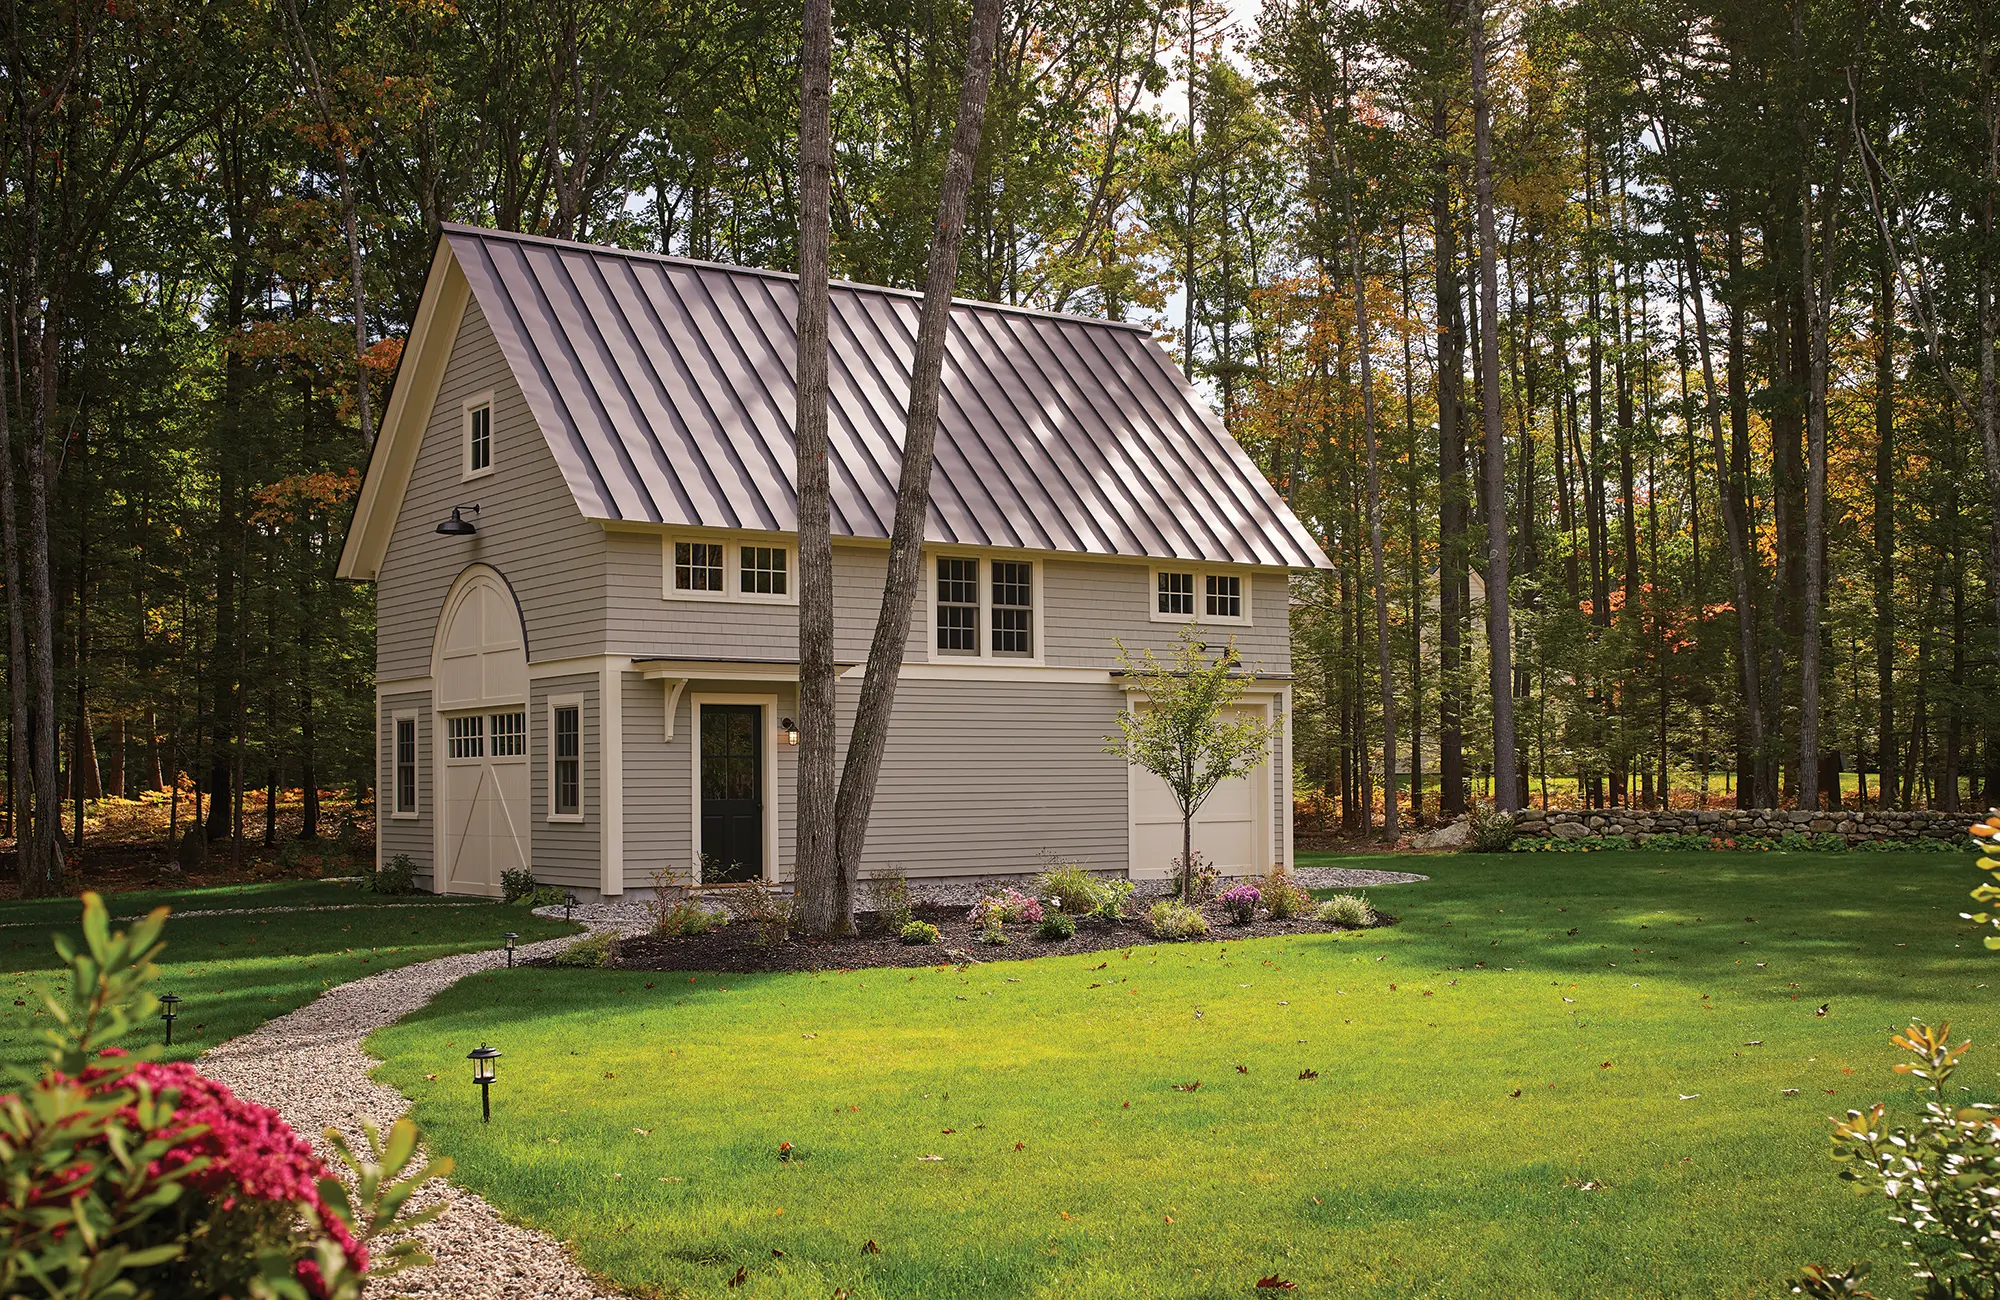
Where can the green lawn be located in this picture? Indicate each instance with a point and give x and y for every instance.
(236, 972)
(1498, 1108)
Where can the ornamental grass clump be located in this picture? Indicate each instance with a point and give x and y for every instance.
(1241, 903)
(122, 1176)
(1069, 888)
(1349, 911)
(1171, 919)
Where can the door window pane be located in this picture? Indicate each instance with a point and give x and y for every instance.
(466, 737)
(510, 734)
(1013, 607)
(957, 605)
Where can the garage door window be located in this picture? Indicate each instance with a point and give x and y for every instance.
(466, 737)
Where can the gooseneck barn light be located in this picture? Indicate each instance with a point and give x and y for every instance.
(482, 1058)
(458, 525)
(169, 1005)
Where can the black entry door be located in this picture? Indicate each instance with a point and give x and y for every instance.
(732, 792)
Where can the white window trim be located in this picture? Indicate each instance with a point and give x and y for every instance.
(732, 569)
(465, 471)
(582, 791)
(415, 810)
(1201, 575)
(986, 558)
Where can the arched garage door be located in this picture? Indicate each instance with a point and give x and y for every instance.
(481, 669)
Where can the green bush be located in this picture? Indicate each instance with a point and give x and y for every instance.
(1070, 888)
(1172, 919)
(1284, 898)
(1941, 1178)
(1827, 842)
(396, 876)
(1350, 911)
(1111, 900)
(1680, 842)
(919, 933)
(772, 915)
(1056, 926)
(1492, 828)
(995, 934)
(517, 885)
(592, 952)
(892, 897)
(685, 917)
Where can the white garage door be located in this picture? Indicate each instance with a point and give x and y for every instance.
(1229, 828)
(482, 677)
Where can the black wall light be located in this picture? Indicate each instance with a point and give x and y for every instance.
(458, 525)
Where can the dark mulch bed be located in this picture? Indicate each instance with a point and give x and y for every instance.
(738, 947)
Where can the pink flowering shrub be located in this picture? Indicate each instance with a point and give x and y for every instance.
(1011, 907)
(127, 1176)
(248, 1180)
(1242, 903)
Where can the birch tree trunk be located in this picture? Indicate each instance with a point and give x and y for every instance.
(913, 492)
(1499, 632)
(817, 871)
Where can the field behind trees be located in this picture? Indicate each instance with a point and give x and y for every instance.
(1683, 315)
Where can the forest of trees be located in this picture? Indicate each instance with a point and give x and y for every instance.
(1680, 317)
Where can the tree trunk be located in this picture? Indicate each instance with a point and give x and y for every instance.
(1451, 476)
(1386, 682)
(1885, 538)
(817, 871)
(870, 735)
(1499, 634)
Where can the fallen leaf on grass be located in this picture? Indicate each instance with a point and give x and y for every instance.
(1687, 1096)
(1182, 1087)
(930, 1157)
(1020, 1146)
(741, 1274)
(1515, 1093)
(670, 1179)
(1168, 1217)
(776, 1253)
(1307, 1076)
(1277, 1283)
(1242, 1069)
(431, 1077)
(869, 1247)
(951, 1130)
(1064, 1213)
(1822, 1008)
(1788, 1092)
(1605, 1066)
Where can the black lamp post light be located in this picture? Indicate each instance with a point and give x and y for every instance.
(482, 1058)
(510, 936)
(569, 901)
(458, 525)
(168, 1004)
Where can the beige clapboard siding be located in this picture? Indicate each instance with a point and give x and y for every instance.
(565, 853)
(1087, 604)
(405, 834)
(995, 777)
(529, 526)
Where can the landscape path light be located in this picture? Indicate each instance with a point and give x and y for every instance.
(482, 1058)
(569, 901)
(169, 1003)
(510, 936)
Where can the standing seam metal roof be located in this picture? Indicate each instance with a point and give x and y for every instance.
(665, 389)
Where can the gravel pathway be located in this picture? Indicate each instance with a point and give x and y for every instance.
(1346, 878)
(309, 1065)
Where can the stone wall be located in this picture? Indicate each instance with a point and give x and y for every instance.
(1854, 826)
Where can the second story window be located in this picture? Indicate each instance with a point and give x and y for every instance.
(1225, 596)
(957, 605)
(762, 569)
(1013, 608)
(1176, 594)
(698, 566)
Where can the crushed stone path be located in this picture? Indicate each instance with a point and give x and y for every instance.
(258, 911)
(1352, 878)
(309, 1066)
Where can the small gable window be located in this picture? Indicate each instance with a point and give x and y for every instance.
(1199, 595)
(478, 436)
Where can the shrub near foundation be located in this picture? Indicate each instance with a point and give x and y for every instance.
(1170, 919)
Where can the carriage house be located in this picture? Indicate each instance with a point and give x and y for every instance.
(579, 522)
